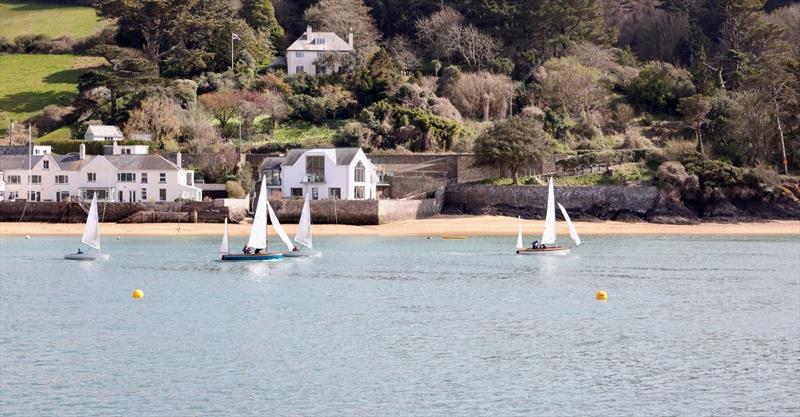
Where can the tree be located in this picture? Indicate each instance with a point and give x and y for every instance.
(437, 66)
(161, 118)
(659, 87)
(222, 104)
(482, 95)
(564, 22)
(344, 17)
(574, 87)
(335, 98)
(695, 111)
(128, 70)
(512, 143)
(260, 15)
(447, 36)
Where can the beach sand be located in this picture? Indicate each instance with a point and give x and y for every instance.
(435, 227)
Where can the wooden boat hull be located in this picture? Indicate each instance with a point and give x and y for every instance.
(555, 250)
(302, 254)
(87, 256)
(252, 257)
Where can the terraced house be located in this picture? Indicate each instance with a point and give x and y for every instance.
(118, 177)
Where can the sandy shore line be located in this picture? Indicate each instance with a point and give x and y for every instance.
(435, 226)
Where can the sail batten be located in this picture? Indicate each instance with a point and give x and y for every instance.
(258, 231)
(223, 247)
(572, 232)
(549, 234)
(278, 228)
(91, 232)
(303, 234)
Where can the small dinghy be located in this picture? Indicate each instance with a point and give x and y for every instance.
(258, 235)
(548, 244)
(303, 236)
(91, 237)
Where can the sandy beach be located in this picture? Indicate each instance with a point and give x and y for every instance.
(435, 227)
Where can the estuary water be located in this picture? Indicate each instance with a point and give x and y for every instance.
(403, 327)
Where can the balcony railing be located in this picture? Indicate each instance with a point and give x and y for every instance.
(311, 178)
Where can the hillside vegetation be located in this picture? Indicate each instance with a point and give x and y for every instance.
(52, 20)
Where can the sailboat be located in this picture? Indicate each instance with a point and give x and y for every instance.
(548, 243)
(258, 234)
(91, 237)
(303, 235)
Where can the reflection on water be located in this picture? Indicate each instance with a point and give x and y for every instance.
(403, 326)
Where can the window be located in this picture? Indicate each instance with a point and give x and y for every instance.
(359, 172)
(335, 193)
(315, 168)
(126, 151)
(298, 69)
(162, 194)
(126, 177)
(62, 196)
(62, 179)
(101, 194)
(359, 192)
(273, 176)
(143, 194)
(319, 41)
(45, 164)
(315, 193)
(162, 178)
(297, 192)
(298, 54)
(36, 179)
(91, 177)
(190, 178)
(144, 178)
(13, 195)
(13, 179)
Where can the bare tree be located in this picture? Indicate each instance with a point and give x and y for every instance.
(788, 19)
(344, 16)
(160, 117)
(570, 85)
(222, 104)
(695, 111)
(482, 95)
(447, 36)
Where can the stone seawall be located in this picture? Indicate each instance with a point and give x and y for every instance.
(587, 203)
(398, 210)
(356, 212)
(71, 212)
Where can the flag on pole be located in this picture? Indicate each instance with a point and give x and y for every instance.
(235, 37)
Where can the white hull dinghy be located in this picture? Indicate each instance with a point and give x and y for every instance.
(548, 245)
(305, 248)
(258, 234)
(91, 237)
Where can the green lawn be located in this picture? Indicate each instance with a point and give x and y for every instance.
(304, 132)
(59, 134)
(53, 20)
(623, 173)
(28, 83)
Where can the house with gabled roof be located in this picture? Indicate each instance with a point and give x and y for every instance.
(103, 132)
(302, 54)
(338, 173)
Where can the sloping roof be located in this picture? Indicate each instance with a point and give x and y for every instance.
(13, 162)
(141, 162)
(332, 43)
(344, 156)
(72, 162)
(104, 131)
(14, 150)
(271, 163)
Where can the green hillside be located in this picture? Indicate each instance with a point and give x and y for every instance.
(53, 20)
(28, 83)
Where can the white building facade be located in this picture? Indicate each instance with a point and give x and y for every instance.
(120, 178)
(103, 132)
(341, 173)
(302, 54)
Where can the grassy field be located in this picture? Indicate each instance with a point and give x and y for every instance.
(53, 20)
(28, 83)
(623, 173)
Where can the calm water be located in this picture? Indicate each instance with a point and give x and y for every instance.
(406, 326)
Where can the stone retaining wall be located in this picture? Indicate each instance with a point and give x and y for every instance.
(398, 210)
(71, 212)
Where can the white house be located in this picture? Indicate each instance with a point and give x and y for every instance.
(303, 53)
(341, 173)
(2, 185)
(101, 132)
(116, 149)
(127, 178)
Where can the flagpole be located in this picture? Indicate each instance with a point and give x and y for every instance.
(30, 161)
(231, 53)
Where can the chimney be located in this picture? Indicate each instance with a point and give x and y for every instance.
(350, 37)
(309, 32)
(82, 151)
(114, 148)
(178, 160)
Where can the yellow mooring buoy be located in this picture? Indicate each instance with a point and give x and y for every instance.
(137, 293)
(601, 296)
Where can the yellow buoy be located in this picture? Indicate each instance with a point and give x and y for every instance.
(137, 293)
(601, 296)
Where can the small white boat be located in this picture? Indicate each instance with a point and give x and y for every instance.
(548, 246)
(302, 236)
(91, 237)
(258, 234)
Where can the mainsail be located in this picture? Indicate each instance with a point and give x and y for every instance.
(91, 232)
(278, 228)
(223, 247)
(303, 234)
(549, 234)
(572, 232)
(519, 235)
(258, 231)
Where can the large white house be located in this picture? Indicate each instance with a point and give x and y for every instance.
(123, 178)
(303, 53)
(340, 173)
(101, 132)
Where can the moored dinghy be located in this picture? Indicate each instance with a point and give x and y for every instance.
(258, 234)
(303, 236)
(91, 237)
(548, 243)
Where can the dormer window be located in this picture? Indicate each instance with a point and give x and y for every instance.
(45, 164)
(319, 41)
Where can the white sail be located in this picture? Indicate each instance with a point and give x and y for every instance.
(91, 232)
(549, 234)
(303, 234)
(278, 228)
(519, 235)
(258, 232)
(572, 232)
(223, 247)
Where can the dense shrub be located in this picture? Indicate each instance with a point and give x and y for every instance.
(659, 87)
(430, 132)
(234, 189)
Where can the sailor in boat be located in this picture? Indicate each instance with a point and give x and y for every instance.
(246, 250)
(79, 252)
(535, 244)
(258, 251)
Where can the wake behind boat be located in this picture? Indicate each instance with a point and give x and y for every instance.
(91, 237)
(258, 235)
(548, 244)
